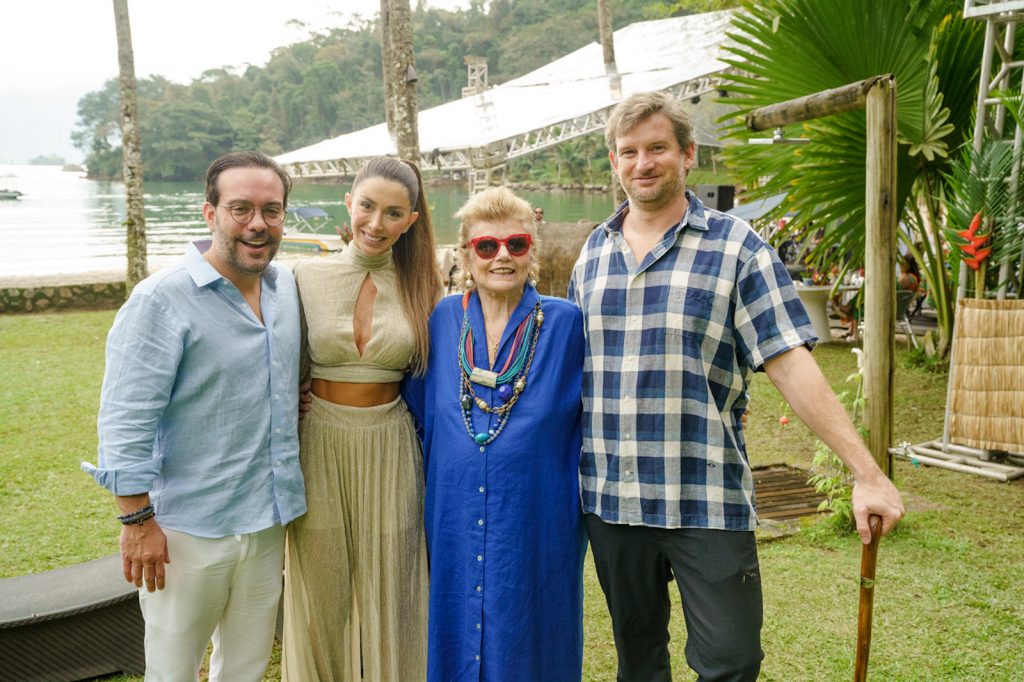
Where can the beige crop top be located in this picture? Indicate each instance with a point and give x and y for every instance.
(328, 288)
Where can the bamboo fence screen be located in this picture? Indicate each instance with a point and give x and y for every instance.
(986, 408)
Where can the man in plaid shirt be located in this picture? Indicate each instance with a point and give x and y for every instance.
(681, 305)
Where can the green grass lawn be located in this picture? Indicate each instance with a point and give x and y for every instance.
(949, 602)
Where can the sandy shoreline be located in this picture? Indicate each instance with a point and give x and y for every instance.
(58, 279)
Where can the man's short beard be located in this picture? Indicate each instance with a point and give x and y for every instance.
(663, 198)
(229, 246)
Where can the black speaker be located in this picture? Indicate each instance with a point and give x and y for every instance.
(718, 197)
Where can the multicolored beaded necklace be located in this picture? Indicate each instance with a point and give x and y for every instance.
(510, 381)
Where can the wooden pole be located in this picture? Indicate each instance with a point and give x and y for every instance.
(880, 268)
(878, 96)
(825, 103)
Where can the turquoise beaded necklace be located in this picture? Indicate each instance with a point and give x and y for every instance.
(511, 381)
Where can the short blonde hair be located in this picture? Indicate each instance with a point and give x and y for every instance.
(497, 204)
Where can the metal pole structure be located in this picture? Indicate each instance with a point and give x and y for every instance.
(878, 96)
(979, 136)
(1009, 41)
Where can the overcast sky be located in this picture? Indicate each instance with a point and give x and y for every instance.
(55, 51)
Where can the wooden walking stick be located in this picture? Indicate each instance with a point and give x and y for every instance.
(868, 556)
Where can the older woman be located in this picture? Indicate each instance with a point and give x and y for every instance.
(500, 415)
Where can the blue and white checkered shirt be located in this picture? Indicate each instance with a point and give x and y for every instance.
(671, 345)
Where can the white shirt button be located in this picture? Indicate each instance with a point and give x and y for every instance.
(479, 588)
(479, 522)
(481, 488)
(479, 557)
(627, 436)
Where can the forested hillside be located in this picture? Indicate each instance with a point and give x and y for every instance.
(330, 84)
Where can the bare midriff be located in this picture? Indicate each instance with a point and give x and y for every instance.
(355, 395)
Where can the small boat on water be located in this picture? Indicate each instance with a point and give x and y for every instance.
(304, 231)
(7, 191)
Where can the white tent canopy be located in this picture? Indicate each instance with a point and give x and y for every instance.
(567, 98)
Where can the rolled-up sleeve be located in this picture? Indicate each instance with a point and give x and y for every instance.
(144, 349)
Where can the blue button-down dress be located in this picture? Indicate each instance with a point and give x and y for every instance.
(503, 522)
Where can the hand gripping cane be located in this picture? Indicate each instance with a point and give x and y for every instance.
(868, 557)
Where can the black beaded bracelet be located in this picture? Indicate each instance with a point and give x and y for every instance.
(138, 517)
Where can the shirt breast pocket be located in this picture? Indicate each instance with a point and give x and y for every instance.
(687, 320)
(689, 310)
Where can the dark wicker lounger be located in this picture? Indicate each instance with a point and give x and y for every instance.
(70, 624)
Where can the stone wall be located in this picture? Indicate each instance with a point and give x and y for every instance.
(35, 299)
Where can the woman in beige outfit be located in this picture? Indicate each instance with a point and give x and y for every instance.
(356, 567)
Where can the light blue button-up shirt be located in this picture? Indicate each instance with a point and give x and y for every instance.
(199, 401)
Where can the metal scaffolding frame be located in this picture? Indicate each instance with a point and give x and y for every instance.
(490, 160)
(567, 98)
(1001, 18)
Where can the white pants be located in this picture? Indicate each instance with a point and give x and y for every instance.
(228, 588)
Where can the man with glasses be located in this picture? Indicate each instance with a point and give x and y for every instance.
(197, 432)
(681, 304)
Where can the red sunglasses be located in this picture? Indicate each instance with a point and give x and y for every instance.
(487, 247)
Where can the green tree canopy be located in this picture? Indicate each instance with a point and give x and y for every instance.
(330, 84)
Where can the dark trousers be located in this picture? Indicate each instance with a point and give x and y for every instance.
(720, 584)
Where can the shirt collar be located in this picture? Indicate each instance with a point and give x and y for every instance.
(204, 274)
(694, 217)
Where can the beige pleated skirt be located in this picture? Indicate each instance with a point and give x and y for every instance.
(355, 604)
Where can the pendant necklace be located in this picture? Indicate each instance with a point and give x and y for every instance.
(510, 381)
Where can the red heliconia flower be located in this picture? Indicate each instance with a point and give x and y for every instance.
(971, 249)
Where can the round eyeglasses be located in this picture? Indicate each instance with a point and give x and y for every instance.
(242, 212)
(487, 247)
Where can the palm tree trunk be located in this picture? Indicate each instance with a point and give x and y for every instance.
(604, 23)
(924, 214)
(399, 77)
(131, 144)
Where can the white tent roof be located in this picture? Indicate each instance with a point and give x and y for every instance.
(651, 55)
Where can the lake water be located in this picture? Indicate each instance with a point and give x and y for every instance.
(65, 223)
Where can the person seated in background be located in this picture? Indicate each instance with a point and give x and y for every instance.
(538, 215)
(910, 274)
(850, 303)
